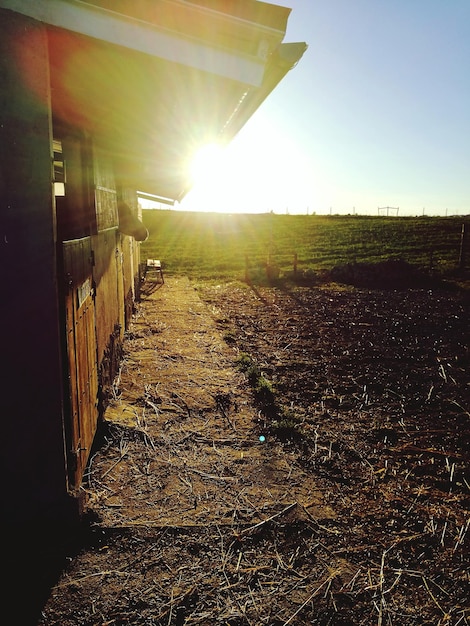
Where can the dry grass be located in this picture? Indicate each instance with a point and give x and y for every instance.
(355, 509)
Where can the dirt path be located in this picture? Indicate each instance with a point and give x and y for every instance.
(189, 450)
(194, 519)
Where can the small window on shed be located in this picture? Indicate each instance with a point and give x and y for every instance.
(73, 186)
(59, 169)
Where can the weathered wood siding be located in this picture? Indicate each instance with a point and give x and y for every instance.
(131, 259)
(107, 275)
(81, 351)
(32, 460)
(107, 271)
(68, 280)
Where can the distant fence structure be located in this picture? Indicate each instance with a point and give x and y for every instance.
(387, 209)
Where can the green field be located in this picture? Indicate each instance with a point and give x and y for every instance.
(215, 245)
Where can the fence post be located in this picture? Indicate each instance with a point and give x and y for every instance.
(431, 260)
(295, 263)
(463, 238)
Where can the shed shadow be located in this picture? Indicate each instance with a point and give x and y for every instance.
(34, 559)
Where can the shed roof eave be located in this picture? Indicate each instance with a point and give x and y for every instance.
(282, 61)
(224, 86)
(94, 21)
(286, 58)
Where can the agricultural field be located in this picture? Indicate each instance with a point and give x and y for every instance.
(289, 449)
(216, 245)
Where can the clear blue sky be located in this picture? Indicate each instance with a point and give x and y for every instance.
(376, 113)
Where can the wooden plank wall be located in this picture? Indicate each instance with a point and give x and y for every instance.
(107, 271)
(107, 276)
(131, 259)
(63, 316)
(32, 461)
(80, 323)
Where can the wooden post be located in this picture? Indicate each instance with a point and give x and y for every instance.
(247, 273)
(463, 238)
(295, 263)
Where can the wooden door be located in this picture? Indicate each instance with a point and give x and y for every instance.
(81, 357)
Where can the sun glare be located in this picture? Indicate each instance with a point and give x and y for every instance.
(207, 164)
(258, 171)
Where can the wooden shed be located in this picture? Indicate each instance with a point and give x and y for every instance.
(99, 100)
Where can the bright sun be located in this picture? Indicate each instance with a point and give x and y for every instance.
(207, 164)
(259, 170)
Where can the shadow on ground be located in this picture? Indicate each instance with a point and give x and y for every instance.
(33, 560)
